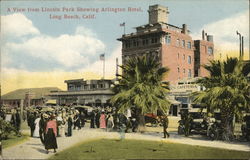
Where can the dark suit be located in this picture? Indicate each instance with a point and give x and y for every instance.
(164, 121)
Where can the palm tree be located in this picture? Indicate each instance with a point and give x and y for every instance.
(141, 86)
(226, 89)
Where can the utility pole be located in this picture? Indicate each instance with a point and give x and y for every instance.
(241, 45)
(116, 74)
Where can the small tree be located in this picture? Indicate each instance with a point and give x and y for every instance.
(6, 130)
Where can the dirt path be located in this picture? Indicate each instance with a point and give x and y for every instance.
(33, 149)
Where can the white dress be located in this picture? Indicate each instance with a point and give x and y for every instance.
(36, 132)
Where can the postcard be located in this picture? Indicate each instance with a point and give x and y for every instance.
(63, 59)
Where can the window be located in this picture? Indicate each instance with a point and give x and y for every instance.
(189, 45)
(100, 85)
(93, 86)
(71, 87)
(127, 44)
(178, 70)
(210, 50)
(78, 87)
(189, 59)
(184, 71)
(85, 87)
(189, 73)
(154, 40)
(178, 55)
(177, 42)
(183, 43)
(134, 43)
(168, 39)
(184, 56)
(145, 42)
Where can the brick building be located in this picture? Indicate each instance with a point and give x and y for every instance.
(173, 45)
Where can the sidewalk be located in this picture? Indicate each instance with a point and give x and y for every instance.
(33, 149)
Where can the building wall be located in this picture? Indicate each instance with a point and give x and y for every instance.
(84, 92)
(26, 103)
(80, 85)
(11, 102)
(183, 62)
(202, 56)
(175, 56)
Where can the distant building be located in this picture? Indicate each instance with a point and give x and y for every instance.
(173, 46)
(85, 92)
(27, 97)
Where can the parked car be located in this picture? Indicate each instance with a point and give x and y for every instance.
(152, 119)
(195, 120)
(199, 123)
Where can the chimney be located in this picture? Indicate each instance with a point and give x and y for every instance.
(209, 38)
(158, 14)
(184, 28)
(203, 35)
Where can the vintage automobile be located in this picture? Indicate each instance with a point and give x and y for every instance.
(152, 119)
(245, 128)
(197, 123)
(214, 131)
(214, 128)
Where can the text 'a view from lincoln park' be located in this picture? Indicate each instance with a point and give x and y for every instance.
(127, 83)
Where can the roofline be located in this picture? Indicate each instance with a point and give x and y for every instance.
(72, 80)
(136, 34)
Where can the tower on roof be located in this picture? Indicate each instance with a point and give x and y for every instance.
(157, 14)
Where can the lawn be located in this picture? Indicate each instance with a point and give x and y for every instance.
(14, 140)
(138, 149)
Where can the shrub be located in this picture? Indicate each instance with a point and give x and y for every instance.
(7, 129)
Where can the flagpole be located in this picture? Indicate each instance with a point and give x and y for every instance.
(104, 67)
(124, 28)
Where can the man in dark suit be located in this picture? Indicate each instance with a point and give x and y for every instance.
(164, 122)
(31, 123)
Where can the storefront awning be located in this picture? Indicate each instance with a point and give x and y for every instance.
(51, 101)
(172, 100)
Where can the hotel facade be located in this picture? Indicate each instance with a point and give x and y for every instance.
(173, 46)
(176, 49)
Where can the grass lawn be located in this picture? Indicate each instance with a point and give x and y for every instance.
(138, 149)
(14, 140)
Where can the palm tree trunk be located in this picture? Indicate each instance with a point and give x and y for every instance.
(226, 124)
(141, 121)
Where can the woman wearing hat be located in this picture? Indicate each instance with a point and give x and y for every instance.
(51, 133)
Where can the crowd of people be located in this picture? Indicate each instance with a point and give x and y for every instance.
(47, 123)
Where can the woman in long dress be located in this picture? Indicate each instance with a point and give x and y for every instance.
(110, 123)
(36, 132)
(62, 127)
(103, 120)
(50, 136)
